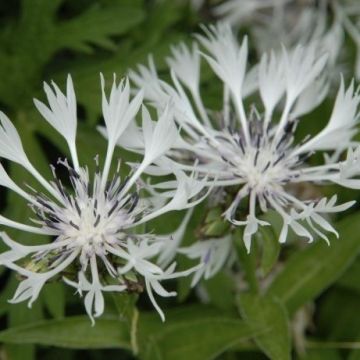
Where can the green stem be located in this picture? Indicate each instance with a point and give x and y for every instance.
(351, 345)
(248, 262)
(125, 306)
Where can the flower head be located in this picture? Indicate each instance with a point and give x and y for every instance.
(275, 22)
(251, 152)
(95, 247)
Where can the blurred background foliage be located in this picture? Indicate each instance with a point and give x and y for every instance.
(299, 301)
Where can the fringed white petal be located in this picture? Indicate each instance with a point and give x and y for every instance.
(10, 143)
(228, 59)
(61, 113)
(119, 110)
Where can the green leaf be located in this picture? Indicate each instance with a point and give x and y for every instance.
(321, 354)
(269, 314)
(20, 314)
(125, 305)
(37, 22)
(72, 332)
(162, 16)
(31, 41)
(312, 270)
(350, 279)
(189, 334)
(22, 352)
(270, 249)
(220, 289)
(355, 354)
(217, 228)
(26, 48)
(7, 293)
(345, 326)
(96, 24)
(54, 298)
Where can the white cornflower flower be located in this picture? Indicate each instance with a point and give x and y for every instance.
(213, 253)
(95, 247)
(196, 4)
(290, 22)
(251, 153)
(237, 11)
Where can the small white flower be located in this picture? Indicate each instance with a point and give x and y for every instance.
(95, 246)
(251, 151)
(212, 253)
(153, 284)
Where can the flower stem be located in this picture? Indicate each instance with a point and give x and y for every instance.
(247, 261)
(125, 306)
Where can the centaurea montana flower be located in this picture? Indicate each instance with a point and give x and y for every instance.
(95, 247)
(251, 153)
(289, 22)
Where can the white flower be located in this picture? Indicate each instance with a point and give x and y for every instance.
(196, 4)
(95, 246)
(212, 253)
(273, 22)
(251, 151)
(236, 11)
(152, 283)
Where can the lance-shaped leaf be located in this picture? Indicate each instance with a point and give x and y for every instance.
(311, 271)
(268, 312)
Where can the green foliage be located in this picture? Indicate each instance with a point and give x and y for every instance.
(311, 271)
(270, 249)
(189, 334)
(32, 41)
(269, 314)
(54, 298)
(116, 18)
(221, 290)
(323, 354)
(72, 332)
